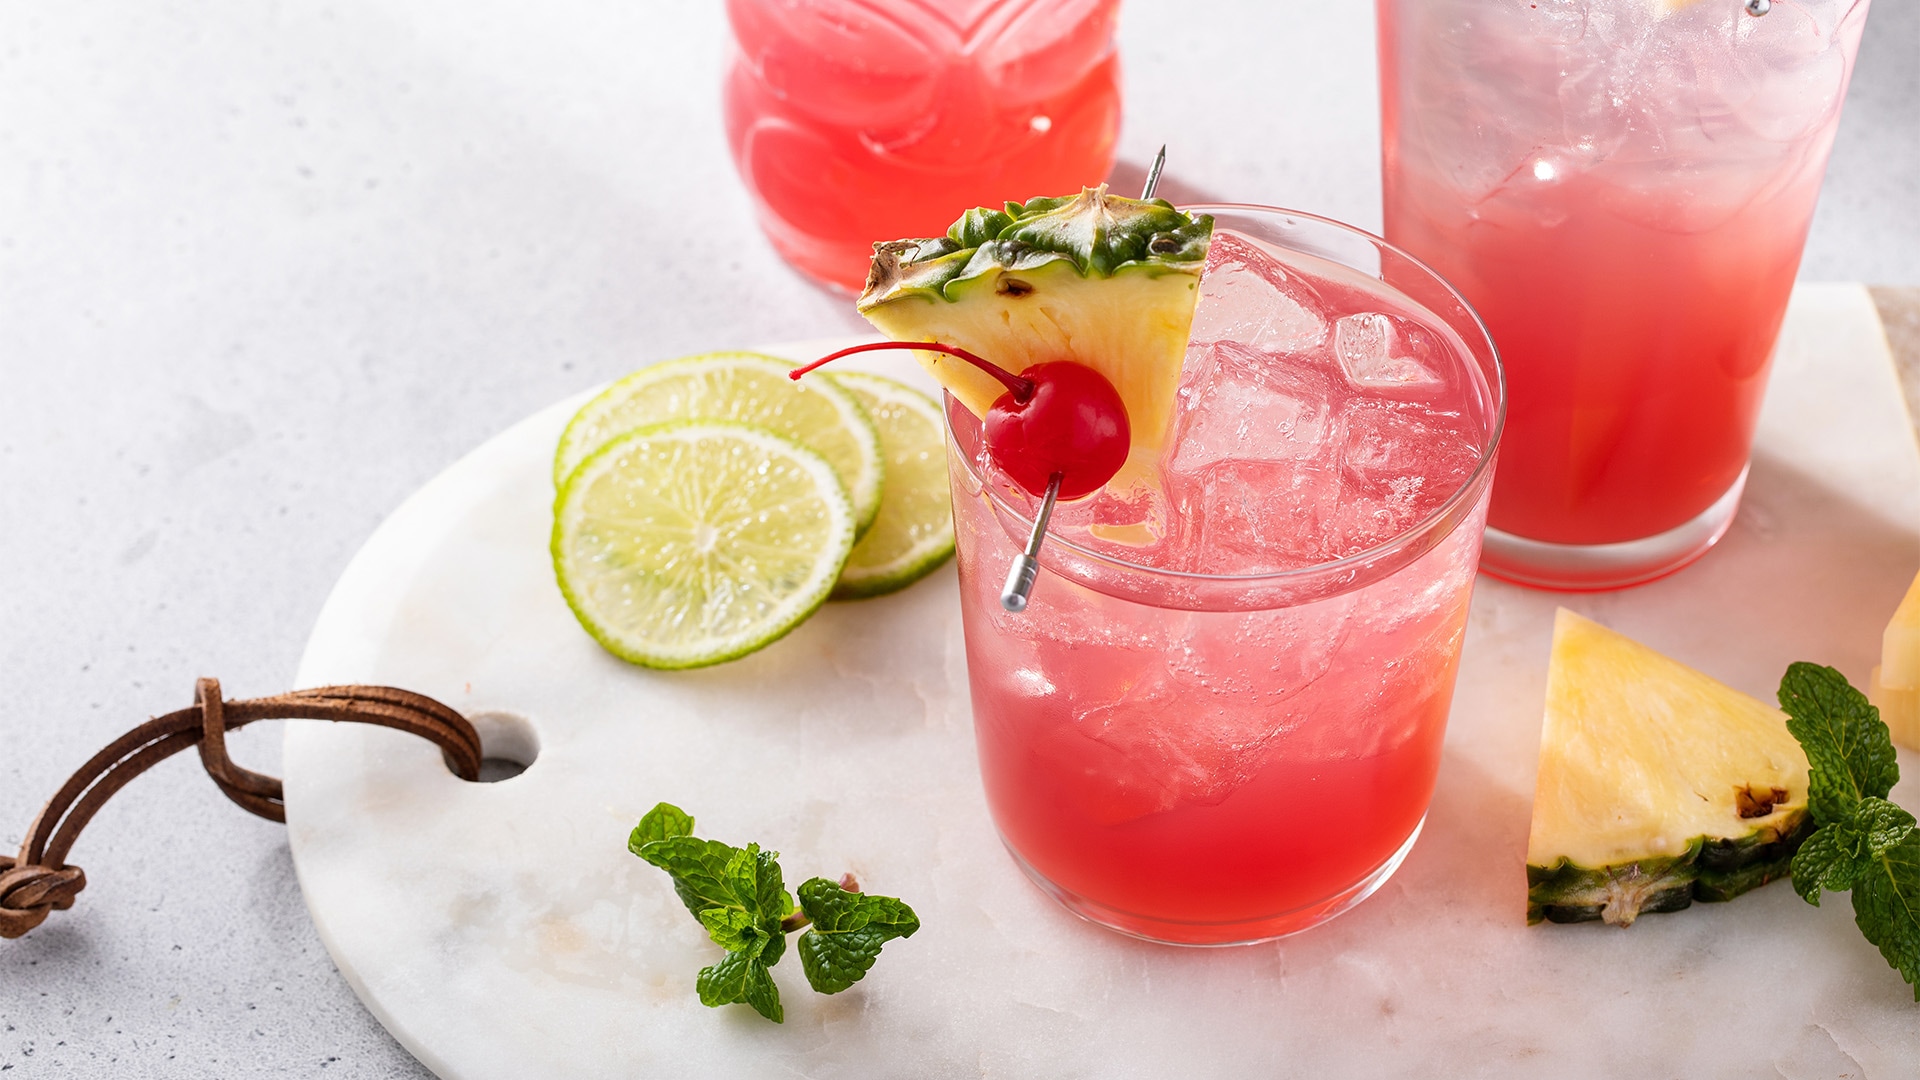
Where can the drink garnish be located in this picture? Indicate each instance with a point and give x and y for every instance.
(743, 387)
(1864, 843)
(696, 541)
(1060, 431)
(913, 534)
(1106, 281)
(738, 895)
(1058, 416)
(1658, 786)
(1894, 686)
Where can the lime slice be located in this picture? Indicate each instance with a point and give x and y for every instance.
(914, 532)
(745, 387)
(692, 542)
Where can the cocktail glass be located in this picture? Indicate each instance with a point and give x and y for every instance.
(1232, 733)
(1622, 189)
(852, 121)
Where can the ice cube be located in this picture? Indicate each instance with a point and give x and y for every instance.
(1193, 729)
(1248, 296)
(1793, 69)
(1245, 516)
(1379, 351)
(1402, 460)
(1238, 403)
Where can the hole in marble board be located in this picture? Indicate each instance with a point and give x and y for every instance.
(508, 744)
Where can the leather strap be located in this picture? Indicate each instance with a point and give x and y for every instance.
(38, 880)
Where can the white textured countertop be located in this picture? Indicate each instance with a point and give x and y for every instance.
(266, 268)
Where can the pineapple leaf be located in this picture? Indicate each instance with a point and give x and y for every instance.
(1848, 747)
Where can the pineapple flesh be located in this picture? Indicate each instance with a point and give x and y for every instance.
(1106, 281)
(1895, 686)
(1658, 786)
(1900, 643)
(1899, 709)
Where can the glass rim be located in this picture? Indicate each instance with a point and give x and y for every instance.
(1360, 568)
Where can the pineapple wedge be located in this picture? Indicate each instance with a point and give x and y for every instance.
(1900, 643)
(1658, 785)
(1899, 708)
(1103, 280)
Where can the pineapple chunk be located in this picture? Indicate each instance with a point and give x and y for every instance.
(1658, 786)
(1102, 280)
(1900, 709)
(1900, 644)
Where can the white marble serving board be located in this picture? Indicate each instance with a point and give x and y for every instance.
(503, 931)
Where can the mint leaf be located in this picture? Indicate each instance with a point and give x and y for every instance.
(741, 978)
(1825, 861)
(706, 873)
(1837, 855)
(1886, 907)
(848, 930)
(1846, 743)
(740, 897)
(1865, 843)
(662, 822)
(733, 929)
(1882, 825)
(770, 891)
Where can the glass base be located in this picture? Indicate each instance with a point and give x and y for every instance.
(1597, 567)
(1209, 934)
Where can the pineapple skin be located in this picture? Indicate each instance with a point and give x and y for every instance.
(1606, 691)
(1711, 871)
(1102, 280)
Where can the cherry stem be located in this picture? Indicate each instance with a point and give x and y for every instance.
(1020, 388)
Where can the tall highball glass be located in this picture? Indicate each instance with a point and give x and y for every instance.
(1622, 189)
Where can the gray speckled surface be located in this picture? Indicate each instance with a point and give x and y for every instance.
(266, 268)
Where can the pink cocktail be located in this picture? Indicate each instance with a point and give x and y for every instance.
(853, 121)
(1232, 732)
(1622, 190)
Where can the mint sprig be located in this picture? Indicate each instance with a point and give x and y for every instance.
(740, 898)
(1864, 845)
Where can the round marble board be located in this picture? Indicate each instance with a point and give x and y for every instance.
(503, 930)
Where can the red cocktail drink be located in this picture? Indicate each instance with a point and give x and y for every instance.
(1622, 191)
(853, 121)
(1232, 731)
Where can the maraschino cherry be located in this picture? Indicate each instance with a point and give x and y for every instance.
(1057, 418)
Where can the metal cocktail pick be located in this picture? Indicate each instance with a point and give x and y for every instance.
(1026, 569)
(1021, 575)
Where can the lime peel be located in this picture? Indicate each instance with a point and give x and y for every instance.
(913, 534)
(745, 387)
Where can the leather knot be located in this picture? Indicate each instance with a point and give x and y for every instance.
(29, 893)
(38, 881)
